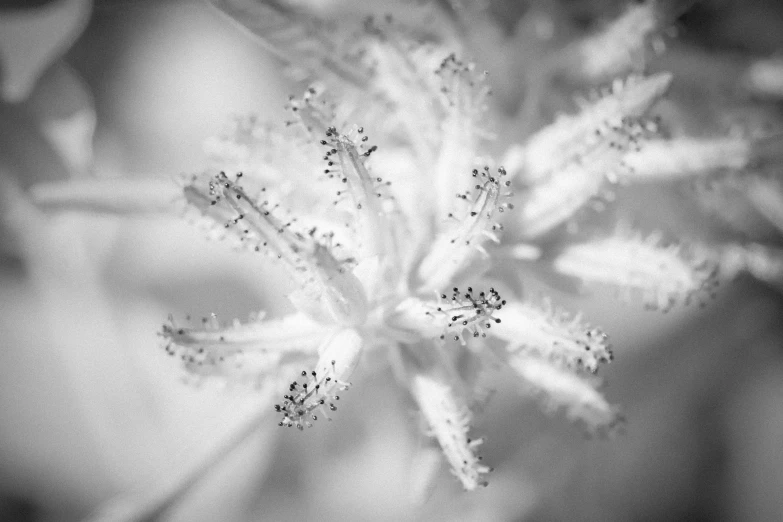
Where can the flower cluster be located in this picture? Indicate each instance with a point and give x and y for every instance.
(386, 203)
(392, 231)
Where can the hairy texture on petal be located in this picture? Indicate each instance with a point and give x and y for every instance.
(560, 388)
(612, 118)
(403, 68)
(618, 48)
(552, 202)
(241, 351)
(662, 160)
(663, 275)
(449, 422)
(463, 96)
(266, 154)
(552, 334)
(763, 262)
(325, 279)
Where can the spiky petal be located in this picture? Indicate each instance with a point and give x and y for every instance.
(683, 157)
(663, 275)
(326, 281)
(449, 421)
(617, 48)
(241, 351)
(552, 334)
(463, 97)
(560, 388)
(455, 248)
(763, 262)
(554, 201)
(612, 119)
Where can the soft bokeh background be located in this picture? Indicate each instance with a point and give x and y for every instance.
(90, 408)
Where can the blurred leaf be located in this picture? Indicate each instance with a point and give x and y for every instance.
(31, 39)
(63, 109)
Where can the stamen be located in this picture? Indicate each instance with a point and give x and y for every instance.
(463, 96)
(614, 118)
(466, 311)
(346, 156)
(456, 248)
(311, 263)
(246, 352)
(319, 392)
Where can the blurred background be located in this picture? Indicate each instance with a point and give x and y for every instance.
(90, 408)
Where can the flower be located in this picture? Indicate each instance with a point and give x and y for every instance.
(399, 248)
(379, 276)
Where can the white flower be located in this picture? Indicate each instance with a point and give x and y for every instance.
(373, 283)
(379, 201)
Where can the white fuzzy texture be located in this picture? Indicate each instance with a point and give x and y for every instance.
(241, 351)
(661, 274)
(559, 388)
(684, 157)
(763, 262)
(554, 201)
(620, 46)
(552, 334)
(449, 421)
(457, 246)
(599, 122)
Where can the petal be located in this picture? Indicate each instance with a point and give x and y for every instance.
(552, 202)
(557, 387)
(242, 352)
(763, 262)
(663, 275)
(458, 246)
(463, 95)
(256, 223)
(449, 421)
(610, 120)
(618, 48)
(551, 334)
(684, 157)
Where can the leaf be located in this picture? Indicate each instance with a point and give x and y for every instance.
(63, 108)
(32, 39)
